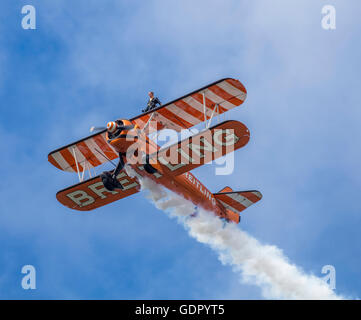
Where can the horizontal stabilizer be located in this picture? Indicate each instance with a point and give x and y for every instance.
(237, 201)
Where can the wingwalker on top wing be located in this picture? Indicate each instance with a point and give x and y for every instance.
(130, 142)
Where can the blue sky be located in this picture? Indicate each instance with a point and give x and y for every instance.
(87, 63)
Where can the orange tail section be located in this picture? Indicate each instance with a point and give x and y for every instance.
(235, 202)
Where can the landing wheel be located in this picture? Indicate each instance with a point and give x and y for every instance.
(109, 180)
(110, 183)
(148, 167)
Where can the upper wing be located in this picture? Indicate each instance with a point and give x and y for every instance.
(196, 107)
(92, 150)
(179, 114)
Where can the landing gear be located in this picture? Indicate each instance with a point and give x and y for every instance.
(109, 179)
(109, 182)
(148, 167)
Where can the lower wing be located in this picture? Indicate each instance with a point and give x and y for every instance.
(91, 194)
(202, 148)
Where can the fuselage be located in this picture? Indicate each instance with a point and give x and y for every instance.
(185, 185)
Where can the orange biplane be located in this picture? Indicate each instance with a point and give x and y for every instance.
(130, 142)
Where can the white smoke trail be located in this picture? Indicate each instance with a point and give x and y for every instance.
(263, 265)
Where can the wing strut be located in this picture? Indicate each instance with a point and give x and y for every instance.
(77, 166)
(216, 107)
(87, 166)
(204, 109)
(102, 154)
(148, 122)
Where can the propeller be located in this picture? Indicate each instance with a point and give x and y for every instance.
(112, 126)
(92, 129)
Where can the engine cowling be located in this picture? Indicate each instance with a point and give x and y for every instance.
(121, 134)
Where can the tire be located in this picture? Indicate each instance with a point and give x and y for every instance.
(148, 167)
(107, 181)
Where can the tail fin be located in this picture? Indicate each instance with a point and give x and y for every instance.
(225, 189)
(237, 201)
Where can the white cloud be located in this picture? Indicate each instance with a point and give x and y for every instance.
(302, 106)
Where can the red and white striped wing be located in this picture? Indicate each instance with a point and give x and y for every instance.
(238, 201)
(188, 111)
(89, 151)
(180, 114)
